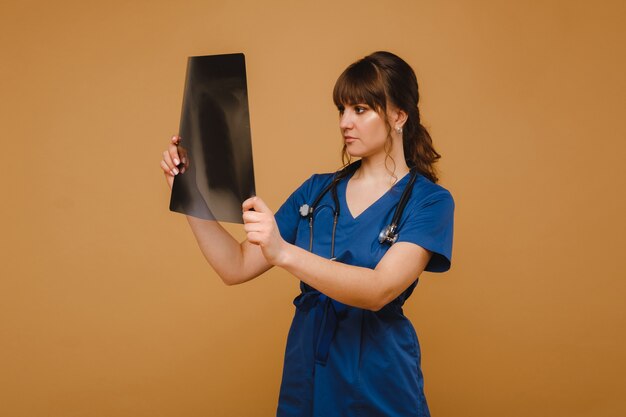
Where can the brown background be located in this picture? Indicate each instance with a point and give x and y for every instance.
(107, 308)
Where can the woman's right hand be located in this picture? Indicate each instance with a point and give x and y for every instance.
(174, 160)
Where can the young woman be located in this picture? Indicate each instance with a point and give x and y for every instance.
(357, 240)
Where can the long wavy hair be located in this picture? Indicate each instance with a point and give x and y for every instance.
(382, 79)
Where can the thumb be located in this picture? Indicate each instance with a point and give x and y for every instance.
(257, 204)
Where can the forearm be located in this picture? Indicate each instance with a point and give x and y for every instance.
(356, 286)
(234, 262)
(352, 285)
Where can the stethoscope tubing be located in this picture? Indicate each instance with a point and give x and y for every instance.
(388, 235)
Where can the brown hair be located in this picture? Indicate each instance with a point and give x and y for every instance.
(381, 78)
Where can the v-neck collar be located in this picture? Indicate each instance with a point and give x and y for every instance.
(342, 191)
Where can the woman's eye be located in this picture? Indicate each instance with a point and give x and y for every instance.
(359, 109)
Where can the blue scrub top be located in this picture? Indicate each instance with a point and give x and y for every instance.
(346, 361)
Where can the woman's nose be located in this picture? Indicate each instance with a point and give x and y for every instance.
(345, 121)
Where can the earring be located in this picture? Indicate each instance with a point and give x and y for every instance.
(399, 129)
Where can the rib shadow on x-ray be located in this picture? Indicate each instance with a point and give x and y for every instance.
(216, 140)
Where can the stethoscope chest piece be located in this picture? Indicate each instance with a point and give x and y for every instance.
(388, 235)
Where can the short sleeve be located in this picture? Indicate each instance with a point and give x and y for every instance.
(288, 215)
(430, 224)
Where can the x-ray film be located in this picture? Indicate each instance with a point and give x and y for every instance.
(216, 145)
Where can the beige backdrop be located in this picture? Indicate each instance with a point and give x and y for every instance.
(107, 308)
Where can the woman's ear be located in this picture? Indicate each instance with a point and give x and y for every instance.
(397, 117)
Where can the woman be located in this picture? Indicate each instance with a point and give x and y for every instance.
(350, 350)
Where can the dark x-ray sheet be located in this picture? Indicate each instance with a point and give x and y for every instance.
(215, 131)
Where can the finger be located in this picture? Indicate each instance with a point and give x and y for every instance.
(252, 217)
(260, 206)
(254, 238)
(173, 152)
(167, 159)
(247, 204)
(251, 227)
(166, 169)
(176, 140)
(257, 204)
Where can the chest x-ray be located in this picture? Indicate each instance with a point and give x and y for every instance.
(215, 131)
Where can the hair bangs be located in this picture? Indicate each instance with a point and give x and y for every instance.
(361, 83)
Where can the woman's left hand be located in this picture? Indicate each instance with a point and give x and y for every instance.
(262, 229)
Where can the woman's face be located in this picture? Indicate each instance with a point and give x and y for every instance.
(364, 131)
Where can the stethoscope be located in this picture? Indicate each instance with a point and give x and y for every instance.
(389, 234)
